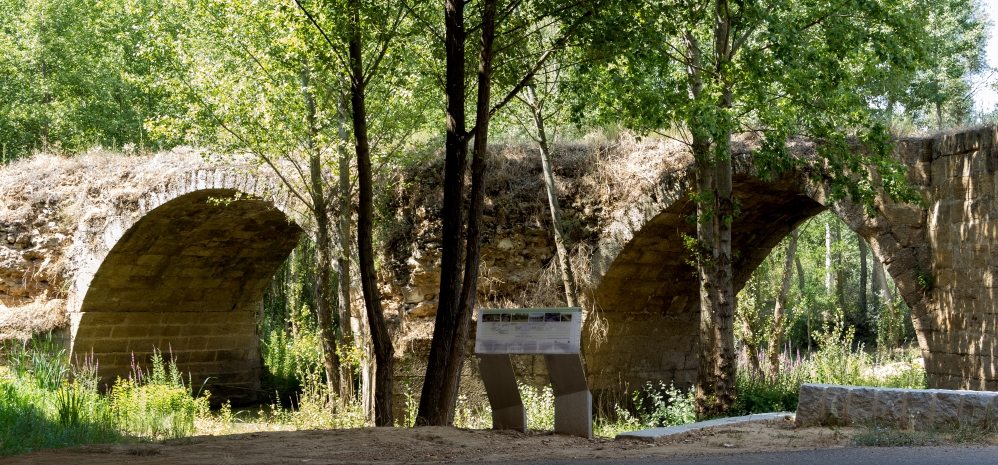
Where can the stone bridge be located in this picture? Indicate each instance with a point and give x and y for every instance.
(178, 260)
(181, 263)
(943, 256)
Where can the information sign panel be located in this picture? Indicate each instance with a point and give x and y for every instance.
(529, 331)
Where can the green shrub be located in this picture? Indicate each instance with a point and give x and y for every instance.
(837, 361)
(538, 402)
(157, 404)
(41, 409)
(657, 405)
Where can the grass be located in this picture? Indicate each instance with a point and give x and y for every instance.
(837, 361)
(41, 409)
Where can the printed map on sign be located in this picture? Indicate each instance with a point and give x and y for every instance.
(529, 331)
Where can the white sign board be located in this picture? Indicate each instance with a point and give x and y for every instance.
(529, 331)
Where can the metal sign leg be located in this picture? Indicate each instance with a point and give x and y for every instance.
(573, 403)
(504, 395)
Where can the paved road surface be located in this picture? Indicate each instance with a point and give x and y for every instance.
(970, 455)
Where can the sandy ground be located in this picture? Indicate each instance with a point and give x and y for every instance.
(438, 445)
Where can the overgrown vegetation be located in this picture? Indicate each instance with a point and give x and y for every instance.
(47, 402)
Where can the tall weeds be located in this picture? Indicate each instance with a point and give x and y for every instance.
(838, 360)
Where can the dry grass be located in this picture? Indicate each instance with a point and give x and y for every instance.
(37, 317)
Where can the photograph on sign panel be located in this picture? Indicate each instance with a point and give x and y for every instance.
(552, 317)
(490, 317)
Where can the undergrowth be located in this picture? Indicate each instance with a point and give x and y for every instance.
(838, 360)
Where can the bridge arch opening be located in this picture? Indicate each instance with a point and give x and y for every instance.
(646, 322)
(188, 278)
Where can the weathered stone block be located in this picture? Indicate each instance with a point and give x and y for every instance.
(812, 405)
(947, 407)
(918, 409)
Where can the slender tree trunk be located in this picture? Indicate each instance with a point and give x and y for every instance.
(828, 258)
(776, 339)
(383, 351)
(840, 272)
(560, 242)
(347, 374)
(939, 116)
(450, 334)
(752, 325)
(433, 405)
(715, 391)
(801, 282)
(875, 289)
(323, 246)
(469, 287)
(863, 252)
(880, 277)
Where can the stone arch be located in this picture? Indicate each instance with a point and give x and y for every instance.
(183, 269)
(645, 320)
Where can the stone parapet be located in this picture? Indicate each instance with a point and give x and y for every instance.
(921, 409)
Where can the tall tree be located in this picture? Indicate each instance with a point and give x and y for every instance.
(383, 22)
(941, 95)
(708, 70)
(459, 277)
(237, 61)
(536, 106)
(780, 307)
(383, 350)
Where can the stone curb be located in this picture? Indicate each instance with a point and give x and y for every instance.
(834, 405)
(654, 434)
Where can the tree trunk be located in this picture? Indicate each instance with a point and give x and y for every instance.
(863, 252)
(828, 258)
(346, 339)
(560, 242)
(715, 386)
(776, 339)
(883, 288)
(443, 371)
(323, 244)
(840, 272)
(383, 351)
(715, 391)
(433, 406)
(939, 115)
(469, 287)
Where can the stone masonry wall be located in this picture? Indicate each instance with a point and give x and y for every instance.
(963, 224)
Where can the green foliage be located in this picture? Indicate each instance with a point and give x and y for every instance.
(29, 419)
(661, 405)
(759, 393)
(157, 404)
(290, 345)
(538, 402)
(77, 73)
(40, 408)
(894, 326)
(316, 407)
(838, 360)
(478, 415)
(42, 359)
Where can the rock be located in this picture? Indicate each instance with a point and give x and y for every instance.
(424, 309)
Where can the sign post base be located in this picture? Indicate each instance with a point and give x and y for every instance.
(504, 395)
